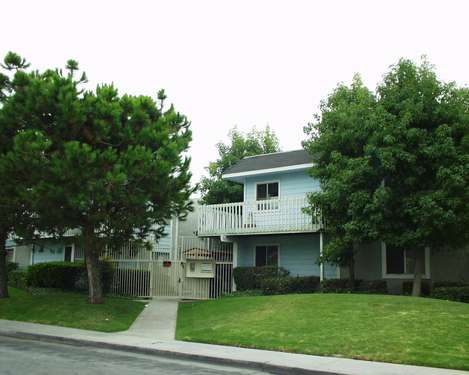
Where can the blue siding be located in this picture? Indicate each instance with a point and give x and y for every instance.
(291, 184)
(48, 251)
(298, 253)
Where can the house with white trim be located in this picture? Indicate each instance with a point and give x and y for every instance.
(270, 228)
(68, 248)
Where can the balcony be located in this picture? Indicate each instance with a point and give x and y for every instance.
(257, 217)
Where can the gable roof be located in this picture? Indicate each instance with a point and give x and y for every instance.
(270, 161)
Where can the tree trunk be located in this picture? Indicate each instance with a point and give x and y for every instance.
(3, 266)
(417, 284)
(95, 290)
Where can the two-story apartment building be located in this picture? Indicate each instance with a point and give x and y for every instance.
(270, 228)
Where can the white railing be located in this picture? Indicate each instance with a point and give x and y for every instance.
(264, 216)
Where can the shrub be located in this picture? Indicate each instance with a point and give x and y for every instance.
(451, 293)
(359, 286)
(11, 266)
(66, 275)
(407, 288)
(336, 286)
(61, 275)
(288, 284)
(250, 278)
(17, 279)
(441, 284)
(372, 286)
(304, 284)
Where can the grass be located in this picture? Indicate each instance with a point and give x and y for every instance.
(70, 310)
(398, 329)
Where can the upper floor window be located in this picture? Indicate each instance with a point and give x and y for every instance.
(267, 191)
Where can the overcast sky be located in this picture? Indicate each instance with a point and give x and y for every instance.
(243, 63)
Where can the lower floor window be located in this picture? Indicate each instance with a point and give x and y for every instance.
(402, 262)
(267, 256)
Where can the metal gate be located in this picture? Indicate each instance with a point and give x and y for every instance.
(143, 272)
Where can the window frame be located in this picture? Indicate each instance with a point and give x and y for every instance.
(266, 245)
(405, 275)
(267, 189)
(276, 206)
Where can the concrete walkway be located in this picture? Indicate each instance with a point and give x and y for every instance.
(277, 362)
(158, 320)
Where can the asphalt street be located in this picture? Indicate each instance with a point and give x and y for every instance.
(19, 356)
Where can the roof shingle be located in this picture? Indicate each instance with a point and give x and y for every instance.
(267, 161)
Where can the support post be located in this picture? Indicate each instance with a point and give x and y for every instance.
(235, 264)
(321, 265)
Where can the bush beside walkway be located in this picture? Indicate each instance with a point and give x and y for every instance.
(398, 329)
(70, 309)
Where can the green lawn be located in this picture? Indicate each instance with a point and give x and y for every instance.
(419, 331)
(70, 310)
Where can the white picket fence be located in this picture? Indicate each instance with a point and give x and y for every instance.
(142, 272)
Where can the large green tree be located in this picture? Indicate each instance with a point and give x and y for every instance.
(423, 151)
(338, 140)
(21, 159)
(217, 190)
(394, 166)
(114, 165)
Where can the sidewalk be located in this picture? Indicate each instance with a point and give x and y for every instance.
(157, 320)
(286, 363)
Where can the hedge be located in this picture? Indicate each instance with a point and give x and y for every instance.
(250, 278)
(452, 293)
(66, 275)
(359, 286)
(288, 284)
(407, 288)
(17, 279)
(61, 275)
(11, 266)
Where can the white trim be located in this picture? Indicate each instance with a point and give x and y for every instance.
(321, 265)
(235, 264)
(245, 193)
(73, 252)
(266, 245)
(386, 275)
(269, 170)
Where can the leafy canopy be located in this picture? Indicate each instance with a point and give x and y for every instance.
(113, 166)
(424, 155)
(345, 168)
(395, 165)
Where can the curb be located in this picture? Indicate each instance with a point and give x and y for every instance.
(264, 366)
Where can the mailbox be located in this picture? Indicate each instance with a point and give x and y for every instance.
(200, 268)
